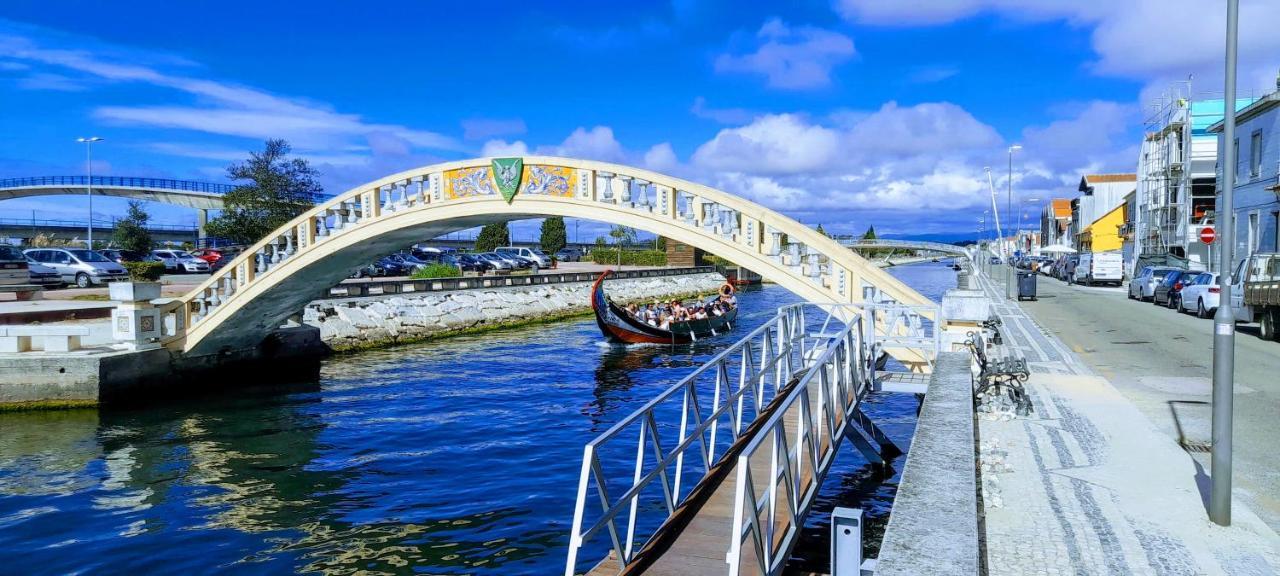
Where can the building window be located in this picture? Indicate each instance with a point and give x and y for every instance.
(1235, 146)
(1255, 154)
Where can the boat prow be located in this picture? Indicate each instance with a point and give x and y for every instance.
(619, 326)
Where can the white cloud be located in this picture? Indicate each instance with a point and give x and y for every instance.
(1152, 40)
(661, 158)
(504, 148)
(799, 58)
(55, 82)
(597, 143)
(721, 115)
(773, 144)
(219, 107)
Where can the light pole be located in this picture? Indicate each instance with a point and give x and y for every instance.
(88, 148)
(1008, 271)
(1224, 321)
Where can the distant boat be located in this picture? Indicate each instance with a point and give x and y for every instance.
(619, 326)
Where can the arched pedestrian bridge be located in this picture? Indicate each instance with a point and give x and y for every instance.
(240, 305)
(916, 245)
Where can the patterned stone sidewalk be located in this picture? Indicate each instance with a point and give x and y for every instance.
(1087, 485)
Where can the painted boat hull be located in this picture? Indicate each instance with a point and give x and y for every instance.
(618, 326)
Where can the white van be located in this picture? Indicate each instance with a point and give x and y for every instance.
(1099, 267)
(534, 254)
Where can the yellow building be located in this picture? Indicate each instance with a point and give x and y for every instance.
(1103, 235)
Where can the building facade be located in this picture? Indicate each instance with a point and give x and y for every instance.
(1100, 194)
(1055, 220)
(1257, 170)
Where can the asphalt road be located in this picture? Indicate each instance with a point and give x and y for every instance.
(1161, 360)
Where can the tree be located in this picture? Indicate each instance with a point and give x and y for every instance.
(554, 237)
(621, 234)
(276, 189)
(131, 233)
(660, 243)
(493, 236)
(870, 233)
(821, 231)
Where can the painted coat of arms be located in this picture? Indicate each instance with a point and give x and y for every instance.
(507, 173)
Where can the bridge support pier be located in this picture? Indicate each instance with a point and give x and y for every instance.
(202, 219)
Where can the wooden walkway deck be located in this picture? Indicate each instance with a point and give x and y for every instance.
(697, 538)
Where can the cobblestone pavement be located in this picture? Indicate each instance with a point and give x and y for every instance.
(1087, 485)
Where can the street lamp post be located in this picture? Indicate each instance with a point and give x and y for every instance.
(1224, 321)
(1008, 271)
(1022, 214)
(88, 147)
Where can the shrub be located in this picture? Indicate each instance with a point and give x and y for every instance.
(437, 271)
(629, 257)
(144, 271)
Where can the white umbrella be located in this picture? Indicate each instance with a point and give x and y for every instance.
(1058, 249)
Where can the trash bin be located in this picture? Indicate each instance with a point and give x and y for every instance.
(1026, 285)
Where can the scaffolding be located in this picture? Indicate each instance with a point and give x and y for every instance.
(1177, 173)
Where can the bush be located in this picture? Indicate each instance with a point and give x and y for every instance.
(437, 271)
(144, 271)
(629, 257)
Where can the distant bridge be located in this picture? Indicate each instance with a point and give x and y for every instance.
(201, 196)
(27, 228)
(940, 247)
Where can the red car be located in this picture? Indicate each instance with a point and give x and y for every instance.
(213, 257)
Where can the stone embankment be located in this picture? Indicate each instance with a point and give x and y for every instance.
(356, 323)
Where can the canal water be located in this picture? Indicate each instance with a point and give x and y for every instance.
(454, 457)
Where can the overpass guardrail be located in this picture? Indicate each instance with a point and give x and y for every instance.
(117, 182)
(414, 285)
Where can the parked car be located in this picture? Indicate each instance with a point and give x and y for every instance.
(42, 275)
(534, 255)
(1201, 295)
(392, 266)
(216, 258)
(78, 266)
(1167, 290)
(13, 266)
(120, 256)
(995, 260)
(1143, 286)
(410, 263)
(496, 262)
(568, 255)
(464, 262)
(180, 261)
(1099, 267)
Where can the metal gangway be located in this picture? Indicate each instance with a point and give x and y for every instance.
(716, 474)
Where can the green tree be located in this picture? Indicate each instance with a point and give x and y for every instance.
(870, 233)
(660, 243)
(493, 236)
(821, 231)
(554, 237)
(621, 235)
(275, 190)
(131, 231)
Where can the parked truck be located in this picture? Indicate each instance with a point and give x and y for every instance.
(1255, 292)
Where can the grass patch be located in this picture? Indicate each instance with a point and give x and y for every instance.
(39, 405)
(91, 297)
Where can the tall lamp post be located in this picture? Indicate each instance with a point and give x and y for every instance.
(1224, 321)
(88, 147)
(1008, 271)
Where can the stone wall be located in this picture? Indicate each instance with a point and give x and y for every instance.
(354, 323)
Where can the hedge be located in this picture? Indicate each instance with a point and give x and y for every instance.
(438, 271)
(629, 257)
(144, 271)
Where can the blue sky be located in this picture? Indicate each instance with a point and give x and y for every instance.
(844, 113)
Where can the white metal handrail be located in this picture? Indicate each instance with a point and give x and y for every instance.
(765, 361)
(836, 380)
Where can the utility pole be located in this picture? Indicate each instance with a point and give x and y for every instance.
(1224, 321)
(88, 147)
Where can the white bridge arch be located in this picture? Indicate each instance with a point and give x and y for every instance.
(272, 280)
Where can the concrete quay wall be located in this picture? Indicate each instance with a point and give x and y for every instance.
(355, 323)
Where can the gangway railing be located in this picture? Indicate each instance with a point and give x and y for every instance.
(810, 368)
(710, 410)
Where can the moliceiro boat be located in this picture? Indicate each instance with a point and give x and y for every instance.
(619, 325)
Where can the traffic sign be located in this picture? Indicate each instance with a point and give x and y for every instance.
(1208, 235)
